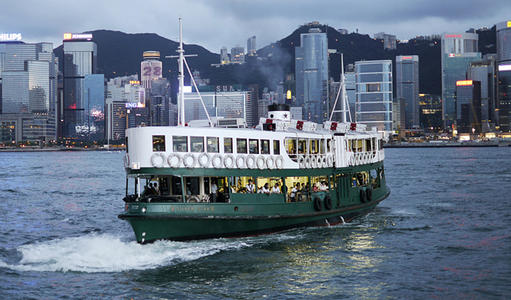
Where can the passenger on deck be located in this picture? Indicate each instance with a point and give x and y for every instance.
(250, 187)
(155, 189)
(265, 189)
(294, 191)
(276, 189)
(323, 187)
(214, 191)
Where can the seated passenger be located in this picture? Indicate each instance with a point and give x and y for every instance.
(324, 186)
(250, 187)
(265, 189)
(276, 189)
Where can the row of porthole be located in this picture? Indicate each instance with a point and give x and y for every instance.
(311, 161)
(217, 161)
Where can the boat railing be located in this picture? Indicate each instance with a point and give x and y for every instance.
(308, 161)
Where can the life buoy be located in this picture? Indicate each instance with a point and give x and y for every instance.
(250, 161)
(270, 162)
(330, 160)
(314, 161)
(193, 199)
(216, 161)
(324, 163)
(261, 162)
(189, 160)
(301, 162)
(174, 160)
(157, 160)
(369, 195)
(328, 202)
(240, 162)
(228, 161)
(363, 196)
(307, 162)
(279, 162)
(204, 160)
(317, 204)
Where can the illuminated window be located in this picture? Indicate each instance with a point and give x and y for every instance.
(276, 147)
(197, 143)
(241, 145)
(253, 146)
(158, 143)
(212, 144)
(180, 143)
(227, 145)
(265, 147)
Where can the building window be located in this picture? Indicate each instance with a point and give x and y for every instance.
(265, 146)
(180, 143)
(227, 145)
(212, 144)
(241, 145)
(276, 147)
(158, 143)
(253, 146)
(197, 143)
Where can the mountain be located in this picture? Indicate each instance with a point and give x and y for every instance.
(120, 54)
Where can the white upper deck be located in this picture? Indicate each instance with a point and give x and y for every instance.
(276, 143)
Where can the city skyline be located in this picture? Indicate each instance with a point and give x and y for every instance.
(267, 20)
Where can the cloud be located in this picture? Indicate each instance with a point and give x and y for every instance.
(218, 23)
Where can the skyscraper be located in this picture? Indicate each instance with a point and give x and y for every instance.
(150, 68)
(484, 71)
(504, 74)
(311, 69)
(80, 58)
(238, 55)
(468, 106)
(374, 93)
(28, 91)
(458, 51)
(407, 88)
(251, 46)
(224, 56)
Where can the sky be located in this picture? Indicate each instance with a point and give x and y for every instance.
(216, 23)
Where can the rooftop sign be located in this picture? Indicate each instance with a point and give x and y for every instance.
(464, 82)
(77, 36)
(8, 37)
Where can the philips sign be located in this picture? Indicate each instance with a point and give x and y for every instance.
(8, 37)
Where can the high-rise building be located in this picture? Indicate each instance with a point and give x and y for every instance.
(238, 55)
(458, 51)
(224, 56)
(468, 106)
(80, 58)
(311, 69)
(27, 91)
(389, 40)
(484, 71)
(407, 88)
(150, 68)
(430, 112)
(374, 94)
(251, 46)
(503, 103)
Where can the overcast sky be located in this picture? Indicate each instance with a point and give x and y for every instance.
(217, 23)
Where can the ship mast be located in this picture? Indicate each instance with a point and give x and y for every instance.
(181, 98)
(345, 104)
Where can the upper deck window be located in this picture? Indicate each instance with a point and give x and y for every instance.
(302, 146)
(265, 146)
(291, 146)
(212, 144)
(158, 143)
(322, 146)
(227, 145)
(197, 143)
(276, 147)
(253, 146)
(241, 145)
(180, 143)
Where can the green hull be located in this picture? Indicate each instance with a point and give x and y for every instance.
(250, 214)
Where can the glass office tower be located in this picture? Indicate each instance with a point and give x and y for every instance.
(407, 88)
(458, 51)
(504, 75)
(311, 71)
(79, 61)
(374, 94)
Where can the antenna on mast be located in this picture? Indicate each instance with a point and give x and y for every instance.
(181, 95)
(345, 104)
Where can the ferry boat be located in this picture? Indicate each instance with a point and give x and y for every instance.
(187, 182)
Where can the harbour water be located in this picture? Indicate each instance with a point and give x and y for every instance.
(443, 233)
